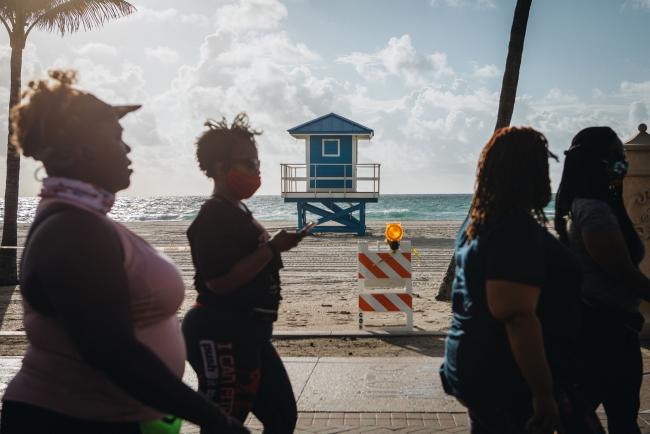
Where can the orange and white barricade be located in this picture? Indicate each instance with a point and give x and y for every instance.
(385, 283)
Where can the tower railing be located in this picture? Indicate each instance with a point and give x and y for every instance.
(330, 179)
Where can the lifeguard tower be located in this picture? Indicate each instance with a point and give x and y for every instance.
(331, 184)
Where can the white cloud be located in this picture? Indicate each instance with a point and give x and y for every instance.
(638, 113)
(561, 114)
(276, 80)
(160, 164)
(164, 55)
(122, 83)
(252, 68)
(485, 71)
(632, 88)
(97, 49)
(251, 15)
(195, 20)
(399, 58)
(482, 4)
(168, 16)
(427, 138)
(229, 50)
(434, 132)
(556, 96)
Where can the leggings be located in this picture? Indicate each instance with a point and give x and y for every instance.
(615, 372)
(239, 369)
(21, 418)
(510, 416)
(504, 411)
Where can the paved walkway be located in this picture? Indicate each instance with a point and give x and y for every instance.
(360, 395)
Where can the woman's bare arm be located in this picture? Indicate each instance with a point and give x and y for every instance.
(514, 304)
(607, 248)
(248, 267)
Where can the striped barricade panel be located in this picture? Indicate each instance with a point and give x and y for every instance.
(384, 265)
(386, 302)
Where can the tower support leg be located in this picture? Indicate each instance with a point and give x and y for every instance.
(362, 219)
(329, 210)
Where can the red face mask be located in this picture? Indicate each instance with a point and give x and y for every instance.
(241, 185)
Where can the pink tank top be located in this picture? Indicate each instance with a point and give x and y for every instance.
(53, 374)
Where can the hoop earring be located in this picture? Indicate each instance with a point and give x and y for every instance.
(37, 172)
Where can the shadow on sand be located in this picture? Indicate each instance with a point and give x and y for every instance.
(6, 292)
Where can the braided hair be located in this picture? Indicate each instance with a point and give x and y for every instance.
(218, 141)
(512, 178)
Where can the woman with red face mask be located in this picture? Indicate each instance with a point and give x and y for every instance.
(228, 331)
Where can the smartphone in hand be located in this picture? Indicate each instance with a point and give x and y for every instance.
(305, 230)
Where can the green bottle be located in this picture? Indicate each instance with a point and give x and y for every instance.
(167, 425)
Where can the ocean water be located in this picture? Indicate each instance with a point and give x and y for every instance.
(272, 208)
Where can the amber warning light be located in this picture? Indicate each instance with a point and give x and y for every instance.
(394, 234)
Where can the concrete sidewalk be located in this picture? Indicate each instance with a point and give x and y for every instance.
(360, 395)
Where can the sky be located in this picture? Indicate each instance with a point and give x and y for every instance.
(425, 75)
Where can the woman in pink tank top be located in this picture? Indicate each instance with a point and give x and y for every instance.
(105, 355)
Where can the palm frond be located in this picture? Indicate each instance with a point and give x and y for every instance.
(66, 16)
(8, 11)
(6, 24)
(24, 11)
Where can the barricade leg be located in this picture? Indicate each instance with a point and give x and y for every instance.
(361, 288)
(409, 321)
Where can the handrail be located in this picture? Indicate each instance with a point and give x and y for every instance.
(298, 178)
(330, 164)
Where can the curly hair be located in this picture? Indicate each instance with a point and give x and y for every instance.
(217, 143)
(50, 113)
(512, 178)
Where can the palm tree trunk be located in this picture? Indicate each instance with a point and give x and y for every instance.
(444, 292)
(513, 63)
(506, 104)
(8, 269)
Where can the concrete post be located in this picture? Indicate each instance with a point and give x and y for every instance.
(636, 195)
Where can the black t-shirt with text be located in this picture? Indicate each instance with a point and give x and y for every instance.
(222, 234)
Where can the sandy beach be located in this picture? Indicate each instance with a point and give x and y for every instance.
(319, 279)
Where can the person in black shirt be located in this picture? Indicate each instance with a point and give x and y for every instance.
(228, 331)
(515, 300)
(591, 219)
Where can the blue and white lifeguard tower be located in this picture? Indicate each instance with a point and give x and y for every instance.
(331, 184)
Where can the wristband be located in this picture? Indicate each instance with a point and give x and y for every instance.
(166, 425)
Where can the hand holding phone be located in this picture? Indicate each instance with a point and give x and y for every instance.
(305, 230)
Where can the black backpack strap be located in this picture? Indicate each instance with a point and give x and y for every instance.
(44, 215)
(37, 300)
